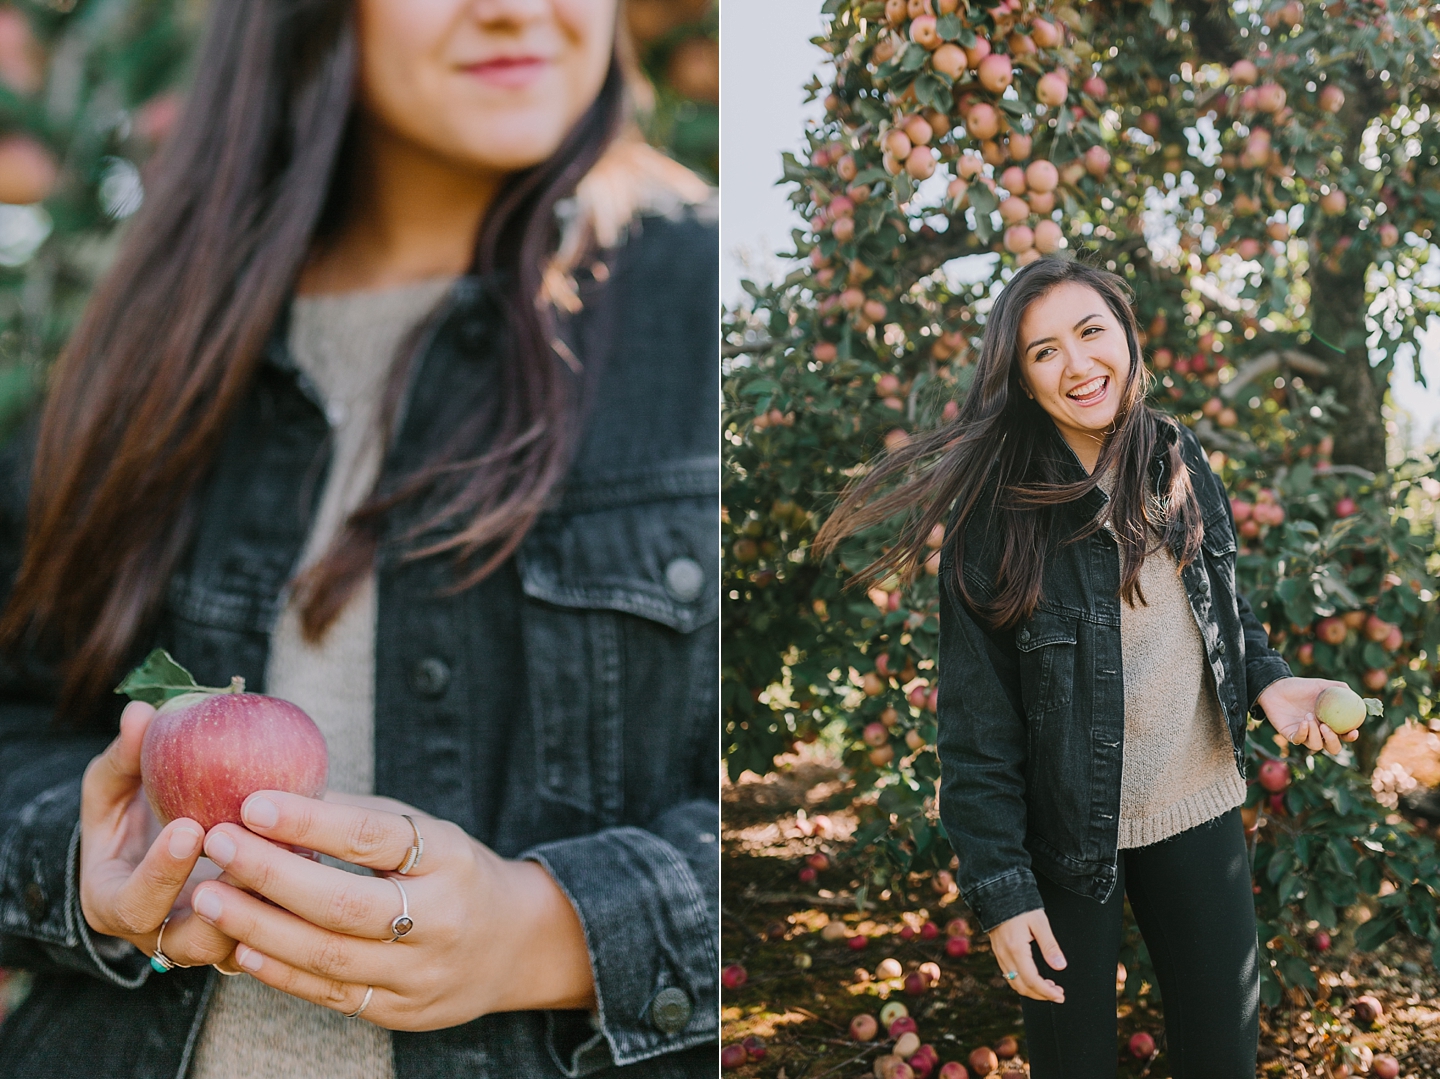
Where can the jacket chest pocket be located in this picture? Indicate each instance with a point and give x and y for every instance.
(621, 598)
(1047, 645)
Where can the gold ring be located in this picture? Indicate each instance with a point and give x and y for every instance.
(412, 856)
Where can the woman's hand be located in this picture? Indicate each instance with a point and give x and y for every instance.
(1010, 941)
(133, 873)
(1290, 706)
(489, 934)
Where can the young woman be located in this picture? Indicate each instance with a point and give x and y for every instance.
(1097, 666)
(399, 402)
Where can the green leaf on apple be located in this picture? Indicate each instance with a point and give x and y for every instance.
(1373, 706)
(160, 678)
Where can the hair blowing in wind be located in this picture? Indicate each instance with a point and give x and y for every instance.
(1003, 447)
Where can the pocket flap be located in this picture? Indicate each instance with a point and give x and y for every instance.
(1045, 628)
(1219, 540)
(658, 559)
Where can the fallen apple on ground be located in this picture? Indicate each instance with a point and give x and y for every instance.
(208, 749)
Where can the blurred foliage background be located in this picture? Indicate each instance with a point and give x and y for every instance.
(90, 88)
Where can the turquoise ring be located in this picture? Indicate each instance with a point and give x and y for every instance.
(161, 963)
(1011, 975)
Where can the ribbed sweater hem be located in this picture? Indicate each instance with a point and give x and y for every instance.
(1204, 805)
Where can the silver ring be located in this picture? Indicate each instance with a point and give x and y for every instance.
(161, 963)
(369, 992)
(402, 922)
(1011, 975)
(412, 857)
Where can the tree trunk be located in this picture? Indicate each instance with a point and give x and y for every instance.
(1337, 317)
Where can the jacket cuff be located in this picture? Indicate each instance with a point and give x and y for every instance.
(40, 891)
(652, 944)
(1262, 674)
(1004, 897)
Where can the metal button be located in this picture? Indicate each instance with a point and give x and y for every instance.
(684, 578)
(670, 1010)
(1203, 584)
(1024, 635)
(430, 677)
(37, 904)
(1220, 647)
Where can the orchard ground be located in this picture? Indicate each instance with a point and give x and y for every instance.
(801, 989)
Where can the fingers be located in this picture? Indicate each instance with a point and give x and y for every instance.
(1011, 945)
(272, 931)
(327, 897)
(125, 901)
(1049, 946)
(340, 996)
(1307, 735)
(112, 778)
(361, 835)
(1329, 737)
(193, 942)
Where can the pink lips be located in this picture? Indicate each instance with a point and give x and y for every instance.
(1095, 396)
(509, 72)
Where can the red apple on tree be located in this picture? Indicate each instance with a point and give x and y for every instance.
(208, 749)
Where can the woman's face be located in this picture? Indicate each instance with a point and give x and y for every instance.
(1074, 361)
(493, 85)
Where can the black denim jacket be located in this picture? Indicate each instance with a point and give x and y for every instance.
(612, 773)
(1032, 719)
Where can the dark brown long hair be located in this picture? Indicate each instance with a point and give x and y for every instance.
(1004, 442)
(172, 338)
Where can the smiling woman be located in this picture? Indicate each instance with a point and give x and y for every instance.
(1097, 666)
(399, 404)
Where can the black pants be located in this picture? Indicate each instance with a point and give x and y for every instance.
(1191, 896)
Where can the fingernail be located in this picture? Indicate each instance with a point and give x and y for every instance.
(183, 842)
(1057, 962)
(208, 906)
(221, 848)
(260, 812)
(248, 958)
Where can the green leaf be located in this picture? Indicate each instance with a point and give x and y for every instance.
(1373, 706)
(949, 27)
(1375, 932)
(157, 680)
(930, 90)
(914, 58)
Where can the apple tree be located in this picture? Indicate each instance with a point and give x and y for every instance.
(1263, 176)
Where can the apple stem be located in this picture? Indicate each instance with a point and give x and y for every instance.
(237, 684)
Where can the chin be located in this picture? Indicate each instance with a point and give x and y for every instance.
(514, 143)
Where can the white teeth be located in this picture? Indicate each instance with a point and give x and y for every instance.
(1090, 389)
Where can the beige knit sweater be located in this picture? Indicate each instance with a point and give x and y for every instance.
(1178, 768)
(344, 343)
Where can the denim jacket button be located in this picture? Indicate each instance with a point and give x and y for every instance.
(1220, 647)
(430, 677)
(684, 578)
(670, 1010)
(1024, 635)
(1204, 584)
(37, 905)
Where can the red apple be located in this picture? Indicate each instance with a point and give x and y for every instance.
(863, 1028)
(1142, 1045)
(929, 931)
(733, 1056)
(1321, 941)
(983, 1061)
(1345, 507)
(1331, 630)
(953, 1070)
(1368, 1009)
(902, 1024)
(1385, 1066)
(957, 947)
(208, 750)
(1274, 776)
(754, 1047)
(733, 976)
(1007, 1047)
